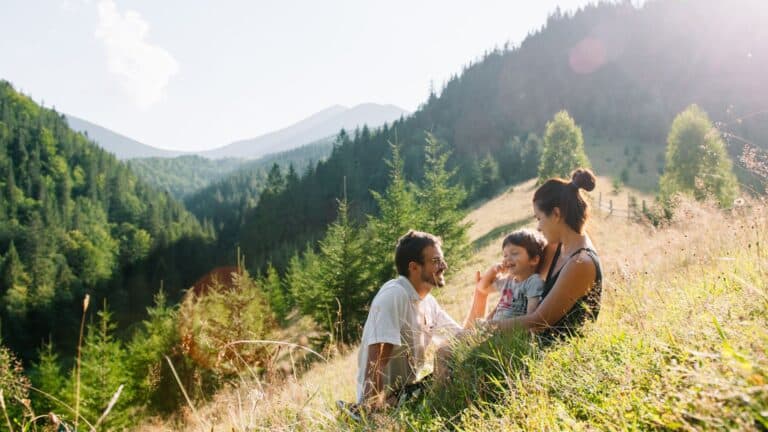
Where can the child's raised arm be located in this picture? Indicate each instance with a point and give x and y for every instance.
(483, 287)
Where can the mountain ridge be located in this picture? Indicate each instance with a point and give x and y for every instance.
(123, 147)
(318, 126)
(325, 123)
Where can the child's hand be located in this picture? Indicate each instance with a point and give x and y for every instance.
(497, 268)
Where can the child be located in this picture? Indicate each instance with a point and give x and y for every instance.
(517, 276)
(518, 280)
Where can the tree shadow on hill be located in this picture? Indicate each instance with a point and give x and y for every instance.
(493, 234)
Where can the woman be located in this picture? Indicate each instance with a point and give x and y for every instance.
(573, 285)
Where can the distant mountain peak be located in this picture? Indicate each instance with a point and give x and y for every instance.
(119, 145)
(322, 124)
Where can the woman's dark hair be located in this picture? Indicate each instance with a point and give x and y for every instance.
(410, 247)
(566, 196)
(532, 241)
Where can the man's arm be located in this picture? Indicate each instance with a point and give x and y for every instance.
(379, 355)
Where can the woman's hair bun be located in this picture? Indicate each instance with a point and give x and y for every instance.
(584, 179)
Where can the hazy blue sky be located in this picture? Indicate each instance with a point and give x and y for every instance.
(195, 75)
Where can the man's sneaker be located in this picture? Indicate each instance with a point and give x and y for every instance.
(350, 409)
(413, 391)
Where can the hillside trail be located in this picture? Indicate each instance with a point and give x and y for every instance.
(627, 247)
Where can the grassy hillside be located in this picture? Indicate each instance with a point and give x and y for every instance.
(635, 163)
(679, 345)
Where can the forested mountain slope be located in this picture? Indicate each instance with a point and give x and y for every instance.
(225, 202)
(75, 220)
(622, 72)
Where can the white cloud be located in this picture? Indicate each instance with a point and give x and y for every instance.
(143, 69)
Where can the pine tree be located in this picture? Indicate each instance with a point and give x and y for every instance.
(441, 198)
(696, 161)
(338, 284)
(490, 179)
(10, 191)
(530, 154)
(47, 376)
(275, 180)
(232, 312)
(397, 214)
(298, 276)
(156, 337)
(16, 282)
(292, 178)
(103, 371)
(563, 148)
(273, 287)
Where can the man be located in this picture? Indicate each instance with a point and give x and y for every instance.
(402, 321)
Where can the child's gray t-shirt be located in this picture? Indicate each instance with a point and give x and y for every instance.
(515, 295)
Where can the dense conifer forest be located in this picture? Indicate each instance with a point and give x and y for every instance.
(74, 220)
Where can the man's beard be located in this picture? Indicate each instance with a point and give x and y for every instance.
(432, 278)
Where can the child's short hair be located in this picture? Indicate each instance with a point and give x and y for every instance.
(532, 241)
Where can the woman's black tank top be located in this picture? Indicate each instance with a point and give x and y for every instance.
(586, 308)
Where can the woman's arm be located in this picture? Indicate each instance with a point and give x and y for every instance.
(574, 282)
(483, 288)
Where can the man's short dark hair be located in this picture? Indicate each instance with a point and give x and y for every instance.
(410, 248)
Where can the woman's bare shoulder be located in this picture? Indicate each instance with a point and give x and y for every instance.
(580, 266)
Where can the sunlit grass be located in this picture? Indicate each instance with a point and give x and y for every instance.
(680, 343)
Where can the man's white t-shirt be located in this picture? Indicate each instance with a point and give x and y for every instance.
(399, 317)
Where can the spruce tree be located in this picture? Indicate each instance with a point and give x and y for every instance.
(231, 312)
(298, 276)
(397, 214)
(156, 337)
(530, 155)
(276, 295)
(47, 376)
(16, 282)
(563, 148)
(103, 371)
(338, 283)
(11, 193)
(275, 180)
(490, 179)
(697, 163)
(440, 200)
